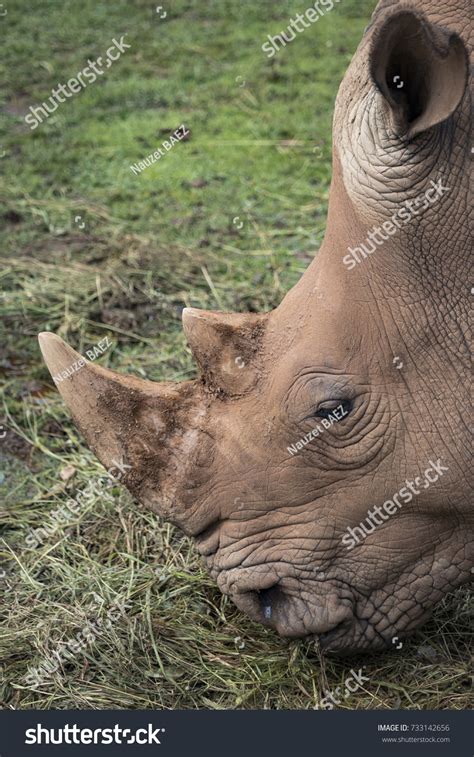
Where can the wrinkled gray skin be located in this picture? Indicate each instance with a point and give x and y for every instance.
(270, 524)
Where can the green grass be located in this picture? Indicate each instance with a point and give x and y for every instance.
(150, 245)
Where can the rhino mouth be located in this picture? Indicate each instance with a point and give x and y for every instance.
(337, 637)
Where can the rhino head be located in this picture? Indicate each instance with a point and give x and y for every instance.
(306, 419)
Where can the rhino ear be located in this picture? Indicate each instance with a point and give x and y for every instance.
(420, 69)
(225, 346)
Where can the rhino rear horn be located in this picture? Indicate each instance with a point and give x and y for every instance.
(226, 348)
(420, 69)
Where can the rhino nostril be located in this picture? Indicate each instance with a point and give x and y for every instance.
(269, 600)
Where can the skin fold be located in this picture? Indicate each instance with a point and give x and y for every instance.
(384, 338)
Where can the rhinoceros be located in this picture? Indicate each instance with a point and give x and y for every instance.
(307, 420)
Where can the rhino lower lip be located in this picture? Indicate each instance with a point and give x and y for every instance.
(207, 541)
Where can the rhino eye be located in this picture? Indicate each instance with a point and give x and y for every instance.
(337, 408)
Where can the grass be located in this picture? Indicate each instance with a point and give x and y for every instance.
(228, 220)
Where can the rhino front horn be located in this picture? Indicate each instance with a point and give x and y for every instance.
(123, 419)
